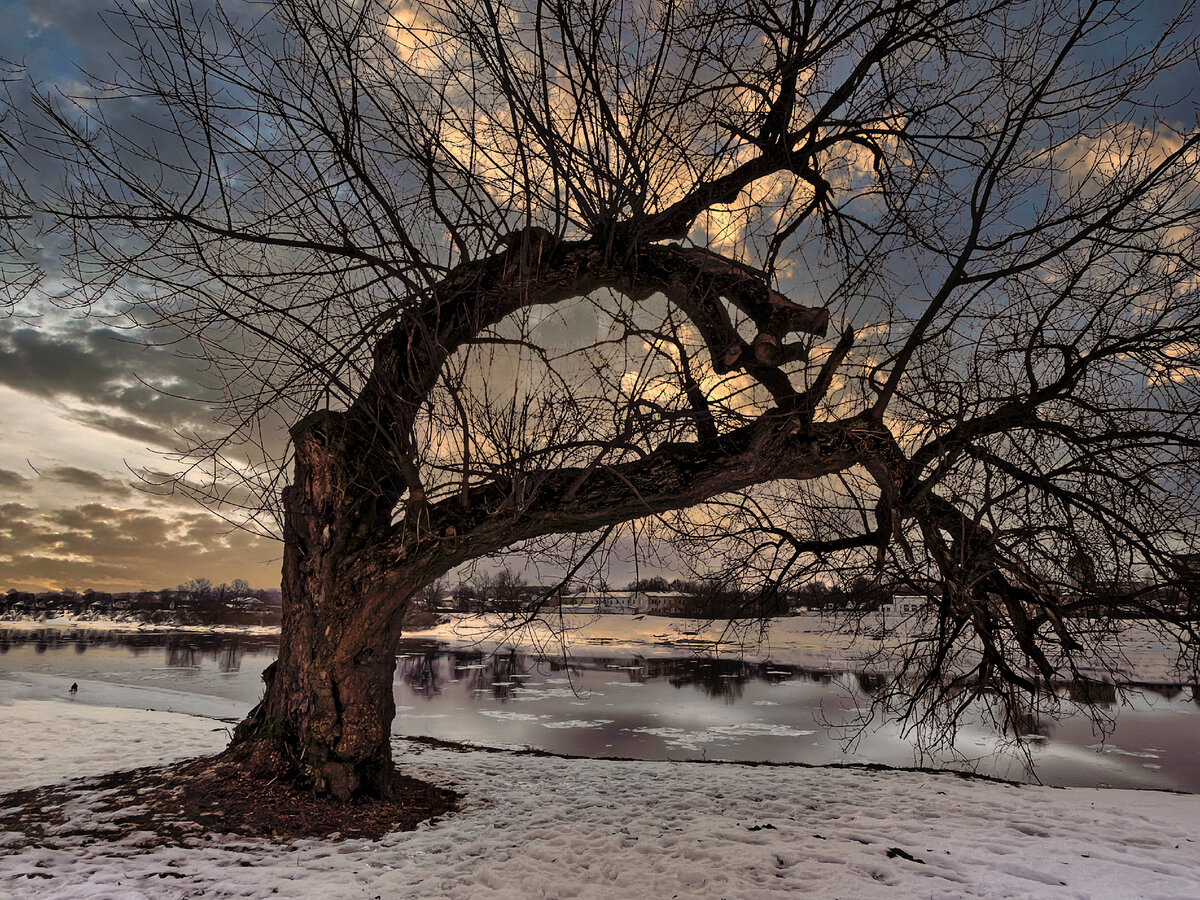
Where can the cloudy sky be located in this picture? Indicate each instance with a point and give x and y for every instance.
(83, 407)
(81, 416)
(81, 413)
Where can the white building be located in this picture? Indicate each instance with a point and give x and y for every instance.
(606, 602)
(904, 605)
(662, 603)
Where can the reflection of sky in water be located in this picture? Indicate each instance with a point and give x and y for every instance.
(654, 708)
(694, 708)
(227, 666)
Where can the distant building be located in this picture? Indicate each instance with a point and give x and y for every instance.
(663, 603)
(904, 604)
(606, 602)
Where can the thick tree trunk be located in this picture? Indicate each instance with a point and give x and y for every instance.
(326, 717)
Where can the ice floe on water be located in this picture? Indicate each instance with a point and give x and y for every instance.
(530, 694)
(698, 740)
(511, 716)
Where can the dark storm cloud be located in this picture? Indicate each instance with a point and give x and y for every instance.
(87, 480)
(57, 38)
(12, 481)
(105, 368)
(96, 545)
(47, 45)
(127, 426)
(69, 53)
(53, 38)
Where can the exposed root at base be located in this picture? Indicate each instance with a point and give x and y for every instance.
(180, 803)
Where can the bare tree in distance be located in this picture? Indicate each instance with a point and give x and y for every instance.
(503, 592)
(905, 290)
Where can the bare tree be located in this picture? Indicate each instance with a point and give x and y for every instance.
(19, 271)
(541, 273)
(432, 594)
(200, 588)
(503, 592)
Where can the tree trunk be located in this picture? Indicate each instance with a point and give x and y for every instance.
(326, 717)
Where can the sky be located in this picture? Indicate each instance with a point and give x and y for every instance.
(82, 407)
(78, 428)
(81, 413)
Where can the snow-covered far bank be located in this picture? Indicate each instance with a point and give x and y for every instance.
(534, 827)
(87, 622)
(809, 641)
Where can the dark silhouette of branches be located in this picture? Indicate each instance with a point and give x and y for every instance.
(900, 291)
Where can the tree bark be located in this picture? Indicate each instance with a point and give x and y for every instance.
(325, 719)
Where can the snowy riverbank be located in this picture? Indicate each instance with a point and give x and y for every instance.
(72, 622)
(549, 827)
(809, 641)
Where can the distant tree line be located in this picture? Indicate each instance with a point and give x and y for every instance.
(715, 598)
(197, 601)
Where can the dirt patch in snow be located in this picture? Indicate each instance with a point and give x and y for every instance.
(182, 802)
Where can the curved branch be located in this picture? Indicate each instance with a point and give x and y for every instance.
(477, 295)
(675, 476)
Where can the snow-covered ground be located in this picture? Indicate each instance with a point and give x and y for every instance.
(545, 827)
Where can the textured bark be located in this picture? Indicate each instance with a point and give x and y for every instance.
(327, 713)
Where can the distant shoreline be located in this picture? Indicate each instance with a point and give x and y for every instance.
(131, 623)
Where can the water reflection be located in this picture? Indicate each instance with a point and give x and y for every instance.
(1097, 693)
(182, 656)
(229, 659)
(181, 650)
(871, 683)
(651, 707)
(1170, 691)
(427, 669)
(1026, 721)
(718, 679)
(496, 675)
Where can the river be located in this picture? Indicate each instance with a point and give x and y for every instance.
(690, 706)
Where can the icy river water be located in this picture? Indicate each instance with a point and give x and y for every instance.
(690, 707)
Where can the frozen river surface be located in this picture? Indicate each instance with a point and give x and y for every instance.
(646, 707)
